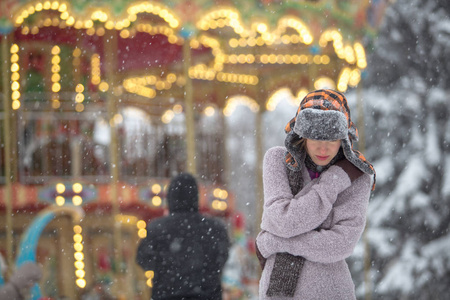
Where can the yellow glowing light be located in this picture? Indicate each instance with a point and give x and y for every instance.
(81, 283)
(78, 247)
(233, 102)
(167, 116)
(142, 233)
(77, 229)
(79, 264)
(15, 95)
(14, 49)
(149, 283)
(15, 76)
(56, 104)
(15, 104)
(80, 273)
(118, 119)
(79, 107)
(324, 83)
(56, 68)
(78, 256)
(14, 67)
(60, 188)
(223, 194)
(55, 51)
(15, 86)
(79, 88)
(14, 58)
(77, 238)
(156, 188)
(79, 98)
(56, 77)
(77, 200)
(60, 200)
(156, 201)
(103, 86)
(77, 187)
(141, 224)
(56, 87)
(209, 111)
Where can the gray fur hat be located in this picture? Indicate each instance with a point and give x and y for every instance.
(323, 115)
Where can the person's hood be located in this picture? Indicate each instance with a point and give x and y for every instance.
(183, 194)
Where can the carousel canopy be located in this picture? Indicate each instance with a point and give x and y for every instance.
(246, 48)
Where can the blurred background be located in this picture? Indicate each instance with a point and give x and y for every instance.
(102, 102)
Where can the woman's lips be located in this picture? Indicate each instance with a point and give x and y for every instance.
(322, 157)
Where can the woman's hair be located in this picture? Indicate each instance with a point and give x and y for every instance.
(300, 143)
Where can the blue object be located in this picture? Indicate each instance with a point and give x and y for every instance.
(28, 245)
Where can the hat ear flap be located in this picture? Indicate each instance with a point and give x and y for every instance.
(353, 132)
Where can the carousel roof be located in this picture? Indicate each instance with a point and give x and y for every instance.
(249, 48)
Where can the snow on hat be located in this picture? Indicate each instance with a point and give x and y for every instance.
(323, 115)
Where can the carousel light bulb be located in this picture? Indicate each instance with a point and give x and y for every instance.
(78, 247)
(77, 200)
(15, 105)
(79, 264)
(77, 229)
(60, 188)
(142, 233)
(156, 188)
(77, 238)
(80, 273)
(81, 283)
(141, 224)
(60, 200)
(156, 201)
(78, 256)
(77, 187)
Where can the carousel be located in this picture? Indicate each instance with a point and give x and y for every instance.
(102, 102)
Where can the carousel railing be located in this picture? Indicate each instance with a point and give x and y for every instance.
(62, 143)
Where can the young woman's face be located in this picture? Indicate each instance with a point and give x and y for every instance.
(322, 152)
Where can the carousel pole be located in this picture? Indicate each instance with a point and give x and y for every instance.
(110, 46)
(7, 140)
(189, 109)
(362, 148)
(259, 144)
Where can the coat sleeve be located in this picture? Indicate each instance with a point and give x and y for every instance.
(286, 215)
(146, 255)
(327, 245)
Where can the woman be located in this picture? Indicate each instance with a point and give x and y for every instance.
(316, 192)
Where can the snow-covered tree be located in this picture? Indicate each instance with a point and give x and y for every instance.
(407, 115)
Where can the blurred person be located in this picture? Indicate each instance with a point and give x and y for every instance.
(19, 285)
(316, 193)
(185, 250)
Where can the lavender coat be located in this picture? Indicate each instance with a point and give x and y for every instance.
(330, 202)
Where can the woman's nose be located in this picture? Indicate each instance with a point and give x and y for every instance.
(323, 148)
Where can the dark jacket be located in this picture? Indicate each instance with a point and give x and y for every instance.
(186, 250)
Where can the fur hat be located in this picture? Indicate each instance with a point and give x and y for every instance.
(323, 115)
